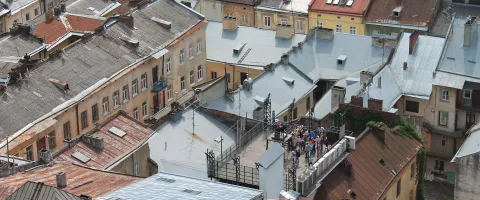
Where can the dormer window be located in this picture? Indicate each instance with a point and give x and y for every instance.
(396, 12)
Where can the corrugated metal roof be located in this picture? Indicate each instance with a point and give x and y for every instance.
(412, 12)
(40, 191)
(182, 187)
(271, 155)
(265, 48)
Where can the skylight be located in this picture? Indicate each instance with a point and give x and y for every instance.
(117, 131)
(81, 157)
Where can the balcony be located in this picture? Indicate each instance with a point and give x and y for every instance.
(454, 133)
(160, 85)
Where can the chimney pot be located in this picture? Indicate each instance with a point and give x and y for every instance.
(61, 179)
(230, 23)
(284, 31)
(375, 104)
(127, 20)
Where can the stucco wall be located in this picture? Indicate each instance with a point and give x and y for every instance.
(276, 17)
(213, 93)
(330, 21)
(20, 15)
(408, 183)
(467, 178)
(234, 72)
(211, 9)
(141, 158)
(239, 11)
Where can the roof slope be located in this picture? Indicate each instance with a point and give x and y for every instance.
(265, 48)
(471, 144)
(84, 7)
(115, 147)
(288, 6)
(16, 45)
(413, 12)
(86, 64)
(170, 186)
(40, 191)
(80, 180)
(17, 4)
(358, 7)
(370, 177)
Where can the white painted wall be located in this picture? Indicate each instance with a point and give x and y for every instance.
(271, 179)
(212, 9)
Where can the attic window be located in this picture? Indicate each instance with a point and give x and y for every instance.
(194, 192)
(396, 12)
(117, 131)
(168, 180)
(341, 59)
(81, 157)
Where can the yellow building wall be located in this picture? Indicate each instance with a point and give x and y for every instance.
(276, 17)
(331, 20)
(238, 11)
(234, 72)
(408, 183)
(20, 15)
(301, 106)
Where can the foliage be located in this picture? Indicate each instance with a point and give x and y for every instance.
(403, 128)
(420, 170)
(374, 124)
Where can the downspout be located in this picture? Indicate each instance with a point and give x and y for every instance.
(77, 120)
(163, 75)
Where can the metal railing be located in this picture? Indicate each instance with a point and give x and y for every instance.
(243, 140)
(227, 172)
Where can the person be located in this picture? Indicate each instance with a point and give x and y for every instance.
(322, 130)
(293, 157)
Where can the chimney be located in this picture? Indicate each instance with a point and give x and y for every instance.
(356, 101)
(284, 31)
(230, 23)
(93, 142)
(469, 32)
(324, 33)
(127, 20)
(61, 180)
(365, 77)
(60, 84)
(50, 16)
(375, 104)
(338, 96)
(413, 42)
(45, 156)
(285, 59)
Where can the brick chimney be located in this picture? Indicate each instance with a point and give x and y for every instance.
(356, 101)
(469, 32)
(61, 179)
(375, 104)
(324, 33)
(127, 20)
(413, 41)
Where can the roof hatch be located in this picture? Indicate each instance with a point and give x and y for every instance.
(238, 48)
(81, 157)
(163, 23)
(117, 131)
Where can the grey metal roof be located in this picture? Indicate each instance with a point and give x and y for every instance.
(471, 144)
(85, 64)
(446, 12)
(40, 191)
(185, 153)
(16, 45)
(456, 81)
(265, 48)
(281, 92)
(14, 5)
(84, 6)
(318, 57)
(459, 59)
(170, 186)
(271, 155)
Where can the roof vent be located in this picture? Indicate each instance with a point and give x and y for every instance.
(381, 161)
(168, 180)
(117, 131)
(61, 179)
(238, 48)
(163, 23)
(396, 11)
(291, 81)
(341, 59)
(81, 157)
(60, 84)
(191, 191)
(130, 41)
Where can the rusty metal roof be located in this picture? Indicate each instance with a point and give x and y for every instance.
(369, 177)
(115, 147)
(358, 7)
(412, 12)
(80, 180)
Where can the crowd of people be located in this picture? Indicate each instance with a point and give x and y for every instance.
(310, 143)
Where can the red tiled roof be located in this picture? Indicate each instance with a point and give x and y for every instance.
(115, 147)
(79, 23)
(80, 180)
(414, 12)
(50, 31)
(370, 178)
(358, 7)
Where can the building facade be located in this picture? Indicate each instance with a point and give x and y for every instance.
(215, 10)
(20, 12)
(270, 14)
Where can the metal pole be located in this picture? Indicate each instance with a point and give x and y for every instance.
(8, 156)
(221, 147)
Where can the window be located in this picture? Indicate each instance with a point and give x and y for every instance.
(36, 11)
(182, 83)
(283, 21)
(168, 64)
(467, 94)
(299, 25)
(143, 81)
(95, 113)
(27, 17)
(144, 109)
(169, 93)
(442, 118)
(191, 52)
(244, 19)
(66, 130)
(182, 57)
(134, 88)
(412, 170)
(444, 94)
(319, 24)
(126, 96)
(444, 141)
(116, 102)
(267, 21)
(213, 75)
(411, 106)
(199, 46)
(83, 118)
(399, 187)
(338, 28)
(51, 140)
(105, 106)
(135, 113)
(192, 77)
(229, 14)
(439, 164)
(353, 30)
(295, 113)
(199, 72)
(29, 152)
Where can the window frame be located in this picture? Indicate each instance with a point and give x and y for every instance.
(51, 140)
(409, 104)
(168, 64)
(35, 12)
(354, 28)
(29, 152)
(143, 81)
(440, 115)
(94, 112)
(199, 72)
(135, 113)
(191, 52)
(445, 94)
(199, 46)
(170, 92)
(182, 56)
(182, 84)
(192, 77)
(105, 105)
(84, 119)
(125, 94)
(337, 27)
(27, 17)
(244, 19)
(469, 91)
(212, 73)
(439, 165)
(265, 21)
(116, 99)
(443, 141)
(145, 109)
(299, 26)
(67, 132)
(135, 88)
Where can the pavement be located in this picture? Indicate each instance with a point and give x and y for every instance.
(435, 190)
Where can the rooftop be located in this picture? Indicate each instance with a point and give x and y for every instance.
(445, 15)
(318, 57)
(460, 59)
(16, 45)
(91, 7)
(15, 6)
(471, 144)
(244, 2)
(176, 150)
(170, 186)
(115, 146)
(413, 14)
(80, 180)
(357, 8)
(371, 177)
(300, 6)
(40, 191)
(87, 65)
(265, 48)
(274, 82)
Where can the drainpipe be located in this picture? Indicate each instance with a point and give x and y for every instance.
(77, 120)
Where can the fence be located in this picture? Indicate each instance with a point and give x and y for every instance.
(243, 175)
